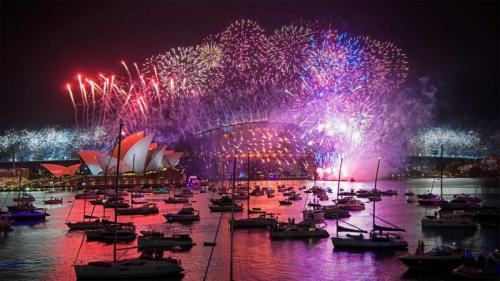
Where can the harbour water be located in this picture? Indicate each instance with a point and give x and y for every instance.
(47, 251)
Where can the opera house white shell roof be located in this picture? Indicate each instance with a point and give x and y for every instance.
(138, 154)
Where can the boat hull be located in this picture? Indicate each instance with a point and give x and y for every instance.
(225, 209)
(181, 218)
(27, 216)
(161, 242)
(122, 270)
(474, 273)
(427, 202)
(253, 223)
(349, 243)
(438, 223)
(299, 234)
(137, 211)
(431, 263)
(84, 225)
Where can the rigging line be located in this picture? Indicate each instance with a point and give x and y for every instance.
(385, 221)
(215, 240)
(213, 247)
(351, 224)
(80, 248)
(72, 205)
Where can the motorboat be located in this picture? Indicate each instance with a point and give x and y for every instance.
(411, 199)
(389, 192)
(462, 202)
(291, 230)
(146, 209)
(485, 267)
(315, 216)
(453, 220)
(409, 193)
(186, 214)
(375, 198)
(347, 193)
(85, 225)
(261, 221)
(124, 233)
(224, 200)
(236, 207)
(367, 193)
(53, 201)
(161, 190)
(351, 204)
(25, 198)
(112, 203)
(176, 200)
(158, 240)
(334, 212)
(21, 207)
(87, 195)
(285, 202)
(295, 197)
(92, 224)
(34, 215)
(256, 211)
(431, 200)
(441, 258)
(376, 240)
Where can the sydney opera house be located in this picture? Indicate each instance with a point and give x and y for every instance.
(139, 156)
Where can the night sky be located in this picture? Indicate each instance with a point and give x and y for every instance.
(45, 44)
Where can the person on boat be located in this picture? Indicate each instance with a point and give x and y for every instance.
(420, 248)
(147, 255)
(480, 261)
(468, 258)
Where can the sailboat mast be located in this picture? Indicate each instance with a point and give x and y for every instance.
(376, 178)
(116, 188)
(232, 219)
(441, 176)
(248, 184)
(338, 190)
(15, 173)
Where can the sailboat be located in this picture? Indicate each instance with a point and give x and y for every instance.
(142, 267)
(145, 209)
(85, 224)
(456, 219)
(378, 239)
(263, 220)
(429, 199)
(24, 209)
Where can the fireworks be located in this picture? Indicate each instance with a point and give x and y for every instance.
(321, 84)
(456, 143)
(50, 143)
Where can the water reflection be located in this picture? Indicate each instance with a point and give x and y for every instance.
(46, 251)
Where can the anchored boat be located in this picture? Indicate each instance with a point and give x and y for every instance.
(146, 266)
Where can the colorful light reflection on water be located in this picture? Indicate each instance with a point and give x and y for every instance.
(47, 251)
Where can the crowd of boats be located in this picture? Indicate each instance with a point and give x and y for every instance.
(316, 211)
(462, 211)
